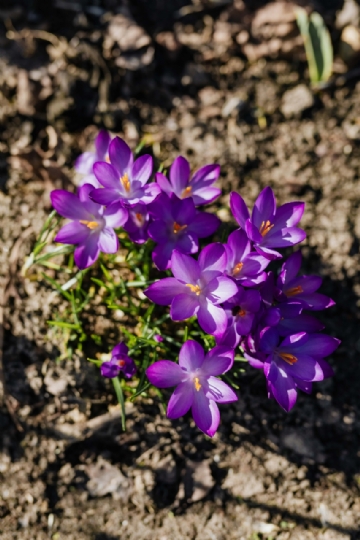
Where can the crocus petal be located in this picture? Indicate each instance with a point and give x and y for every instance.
(254, 362)
(163, 183)
(183, 210)
(120, 349)
(109, 370)
(269, 340)
(301, 323)
(283, 237)
(317, 345)
(184, 306)
(291, 267)
(304, 368)
(84, 193)
(105, 196)
(239, 244)
(148, 193)
(120, 156)
(253, 265)
(212, 319)
(205, 413)
(305, 386)
(191, 356)
(204, 225)
(268, 253)
(181, 400)
(106, 174)
(165, 373)
(161, 255)
(72, 233)
(264, 208)
(220, 289)
(163, 291)
(179, 174)
(253, 232)
(239, 209)
(84, 163)
(220, 391)
(205, 176)
(187, 243)
(213, 258)
(218, 361)
(326, 369)
(142, 169)
(288, 215)
(315, 301)
(68, 205)
(284, 390)
(108, 241)
(205, 195)
(86, 253)
(244, 324)
(158, 231)
(115, 215)
(185, 268)
(102, 142)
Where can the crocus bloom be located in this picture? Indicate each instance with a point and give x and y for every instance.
(197, 386)
(295, 362)
(269, 227)
(137, 224)
(240, 311)
(300, 289)
(245, 266)
(120, 361)
(92, 227)
(85, 162)
(177, 225)
(123, 178)
(199, 186)
(197, 288)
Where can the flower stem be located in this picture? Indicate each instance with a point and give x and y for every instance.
(120, 398)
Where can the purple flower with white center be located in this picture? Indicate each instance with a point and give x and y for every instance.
(240, 311)
(199, 186)
(295, 362)
(269, 227)
(197, 289)
(85, 162)
(245, 266)
(137, 224)
(120, 361)
(158, 338)
(177, 225)
(92, 226)
(300, 289)
(197, 385)
(123, 178)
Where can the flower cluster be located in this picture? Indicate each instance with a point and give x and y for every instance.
(229, 287)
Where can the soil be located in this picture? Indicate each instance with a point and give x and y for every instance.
(182, 77)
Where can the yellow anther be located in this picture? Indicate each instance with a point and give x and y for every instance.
(197, 384)
(90, 224)
(194, 288)
(186, 193)
(289, 358)
(125, 182)
(294, 291)
(237, 268)
(266, 226)
(177, 228)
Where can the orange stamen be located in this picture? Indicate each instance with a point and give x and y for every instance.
(140, 218)
(125, 182)
(197, 384)
(241, 312)
(294, 291)
(194, 288)
(186, 192)
(237, 268)
(178, 228)
(289, 358)
(266, 226)
(90, 224)
(121, 363)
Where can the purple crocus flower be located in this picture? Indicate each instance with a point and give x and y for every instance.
(197, 385)
(300, 289)
(245, 266)
(123, 178)
(295, 362)
(120, 361)
(269, 227)
(197, 289)
(92, 227)
(85, 162)
(199, 186)
(137, 224)
(240, 311)
(177, 225)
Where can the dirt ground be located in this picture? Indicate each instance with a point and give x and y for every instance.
(213, 81)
